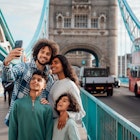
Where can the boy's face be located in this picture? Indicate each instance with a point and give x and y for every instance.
(37, 83)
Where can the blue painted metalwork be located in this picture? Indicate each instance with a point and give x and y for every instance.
(103, 123)
(7, 32)
(3, 53)
(131, 22)
(42, 28)
(8, 36)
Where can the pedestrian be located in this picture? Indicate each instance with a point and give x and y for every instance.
(66, 102)
(67, 83)
(29, 119)
(8, 88)
(43, 52)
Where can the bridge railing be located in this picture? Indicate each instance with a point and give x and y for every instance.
(103, 123)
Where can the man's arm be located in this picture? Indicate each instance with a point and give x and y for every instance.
(7, 72)
(14, 54)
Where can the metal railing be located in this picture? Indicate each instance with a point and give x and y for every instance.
(103, 123)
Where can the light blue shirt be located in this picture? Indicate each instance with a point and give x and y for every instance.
(69, 132)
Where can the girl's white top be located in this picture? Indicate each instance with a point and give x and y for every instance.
(66, 86)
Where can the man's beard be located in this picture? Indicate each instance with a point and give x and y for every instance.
(43, 64)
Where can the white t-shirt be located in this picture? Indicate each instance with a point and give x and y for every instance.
(66, 86)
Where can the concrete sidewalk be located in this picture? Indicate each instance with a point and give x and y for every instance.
(3, 111)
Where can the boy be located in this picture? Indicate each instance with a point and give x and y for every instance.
(29, 119)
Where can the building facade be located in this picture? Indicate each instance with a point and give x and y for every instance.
(124, 65)
(86, 25)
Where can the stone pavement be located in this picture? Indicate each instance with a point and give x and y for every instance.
(3, 111)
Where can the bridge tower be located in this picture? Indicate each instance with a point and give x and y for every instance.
(86, 25)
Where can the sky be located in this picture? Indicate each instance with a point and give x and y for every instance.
(124, 43)
(22, 18)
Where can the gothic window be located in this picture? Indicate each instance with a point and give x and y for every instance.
(60, 21)
(102, 20)
(67, 22)
(94, 23)
(81, 21)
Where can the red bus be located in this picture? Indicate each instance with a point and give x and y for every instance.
(134, 78)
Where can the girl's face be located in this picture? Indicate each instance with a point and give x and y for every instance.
(63, 104)
(56, 66)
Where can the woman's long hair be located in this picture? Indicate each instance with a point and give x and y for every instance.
(67, 68)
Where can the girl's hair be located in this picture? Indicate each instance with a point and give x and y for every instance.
(67, 68)
(41, 44)
(74, 106)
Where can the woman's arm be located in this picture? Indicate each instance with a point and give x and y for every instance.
(76, 115)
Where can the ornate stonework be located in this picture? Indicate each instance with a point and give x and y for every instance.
(86, 25)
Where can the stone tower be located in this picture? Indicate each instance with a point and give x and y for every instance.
(86, 25)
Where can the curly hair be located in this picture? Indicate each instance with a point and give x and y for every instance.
(41, 43)
(67, 68)
(74, 106)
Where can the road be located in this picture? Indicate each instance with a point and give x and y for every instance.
(125, 103)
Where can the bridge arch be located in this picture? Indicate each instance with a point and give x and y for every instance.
(93, 49)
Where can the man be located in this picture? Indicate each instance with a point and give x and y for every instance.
(43, 51)
(29, 119)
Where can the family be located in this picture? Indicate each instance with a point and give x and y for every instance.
(43, 107)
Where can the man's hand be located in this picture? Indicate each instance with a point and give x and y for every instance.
(62, 120)
(44, 101)
(14, 54)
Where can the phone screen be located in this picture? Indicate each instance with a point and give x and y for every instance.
(18, 44)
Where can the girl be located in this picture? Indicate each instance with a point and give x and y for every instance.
(66, 102)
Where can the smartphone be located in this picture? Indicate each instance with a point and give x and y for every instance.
(18, 44)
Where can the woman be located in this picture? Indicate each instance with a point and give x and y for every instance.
(67, 83)
(66, 102)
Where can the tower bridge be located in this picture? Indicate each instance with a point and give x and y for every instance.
(90, 26)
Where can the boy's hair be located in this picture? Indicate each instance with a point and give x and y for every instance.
(74, 106)
(41, 44)
(42, 74)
